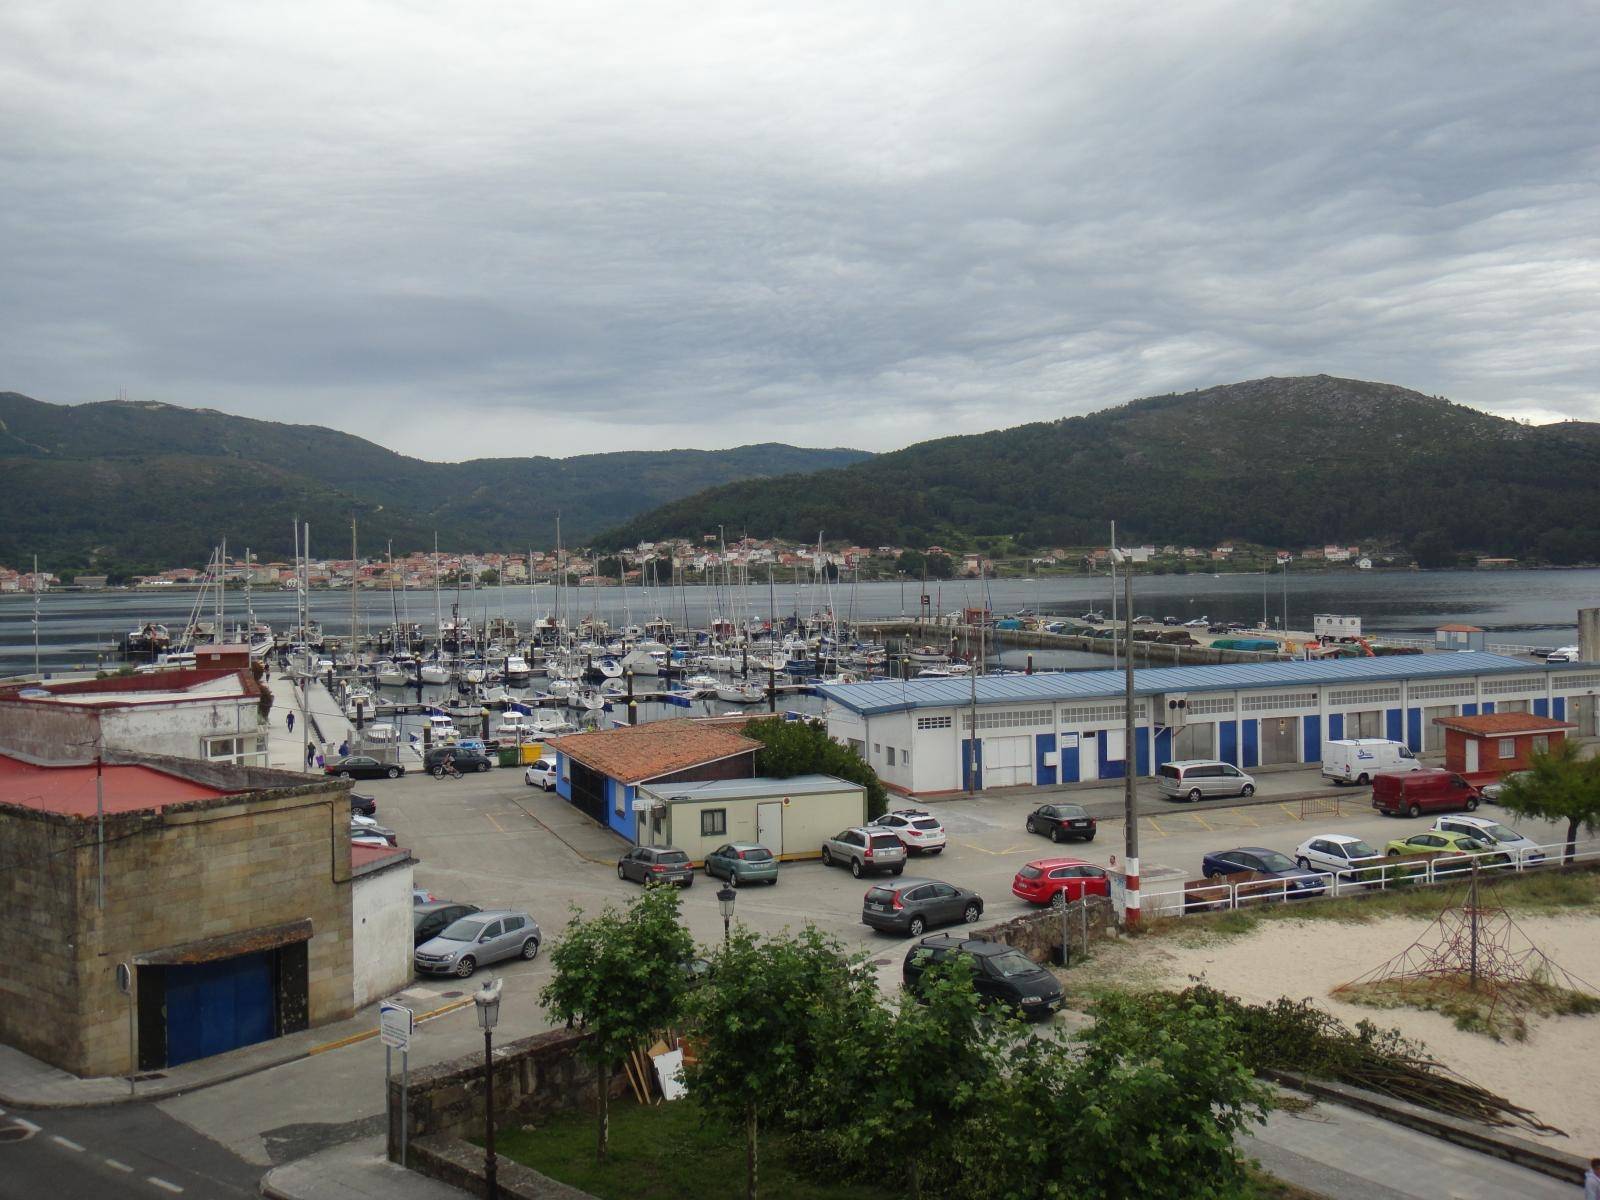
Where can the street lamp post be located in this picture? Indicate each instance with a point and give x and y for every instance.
(1130, 760)
(725, 898)
(487, 1000)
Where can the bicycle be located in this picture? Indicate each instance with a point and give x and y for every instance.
(441, 771)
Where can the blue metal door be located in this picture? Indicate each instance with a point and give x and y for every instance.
(1392, 725)
(1414, 729)
(1044, 773)
(1163, 747)
(1252, 744)
(1069, 759)
(972, 764)
(1335, 727)
(1228, 741)
(1561, 708)
(218, 1006)
(1110, 768)
(1541, 708)
(1312, 741)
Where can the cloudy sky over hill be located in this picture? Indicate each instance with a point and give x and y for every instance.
(473, 229)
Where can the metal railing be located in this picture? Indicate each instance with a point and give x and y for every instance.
(1378, 874)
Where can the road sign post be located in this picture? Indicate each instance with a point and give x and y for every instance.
(125, 986)
(396, 1023)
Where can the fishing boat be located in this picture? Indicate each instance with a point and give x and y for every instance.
(517, 670)
(741, 693)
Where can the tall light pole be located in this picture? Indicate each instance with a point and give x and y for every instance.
(487, 1000)
(1130, 791)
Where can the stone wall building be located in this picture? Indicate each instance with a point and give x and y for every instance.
(227, 890)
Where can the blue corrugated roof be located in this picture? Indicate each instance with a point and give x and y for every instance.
(895, 696)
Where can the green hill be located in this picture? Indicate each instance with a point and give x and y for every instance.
(130, 485)
(1284, 462)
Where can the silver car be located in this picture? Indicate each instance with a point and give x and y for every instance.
(865, 848)
(1201, 779)
(475, 941)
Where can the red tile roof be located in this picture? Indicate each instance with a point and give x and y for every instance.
(1459, 629)
(635, 753)
(71, 791)
(1502, 724)
(362, 857)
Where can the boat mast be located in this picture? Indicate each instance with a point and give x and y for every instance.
(438, 616)
(354, 651)
(36, 614)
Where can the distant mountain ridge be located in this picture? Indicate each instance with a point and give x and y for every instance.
(1291, 462)
(141, 484)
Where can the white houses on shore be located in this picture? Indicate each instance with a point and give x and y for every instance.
(1068, 727)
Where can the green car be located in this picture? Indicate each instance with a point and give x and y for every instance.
(1438, 841)
(742, 862)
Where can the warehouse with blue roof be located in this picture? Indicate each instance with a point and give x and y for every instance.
(929, 736)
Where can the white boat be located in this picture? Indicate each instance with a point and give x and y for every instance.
(382, 734)
(613, 687)
(514, 727)
(517, 669)
(475, 673)
(435, 672)
(611, 668)
(390, 674)
(547, 722)
(442, 728)
(741, 693)
(492, 693)
(585, 700)
(641, 662)
(701, 684)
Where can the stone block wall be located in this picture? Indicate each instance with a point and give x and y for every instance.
(39, 950)
(534, 1078)
(1038, 934)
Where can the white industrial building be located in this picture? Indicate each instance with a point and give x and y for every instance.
(1068, 727)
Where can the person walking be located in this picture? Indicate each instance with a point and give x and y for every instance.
(344, 749)
(290, 719)
(311, 755)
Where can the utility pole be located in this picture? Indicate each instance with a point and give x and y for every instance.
(1130, 772)
(1113, 595)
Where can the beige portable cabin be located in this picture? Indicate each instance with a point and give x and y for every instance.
(791, 817)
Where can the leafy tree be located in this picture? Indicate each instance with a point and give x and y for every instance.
(491, 576)
(620, 976)
(940, 566)
(801, 748)
(912, 563)
(773, 1019)
(1433, 549)
(1559, 786)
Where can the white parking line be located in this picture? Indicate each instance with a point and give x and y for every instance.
(67, 1142)
(163, 1184)
(119, 1166)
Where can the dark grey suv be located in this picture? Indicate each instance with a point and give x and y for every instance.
(909, 906)
(656, 864)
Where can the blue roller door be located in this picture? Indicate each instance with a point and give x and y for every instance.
(1312, 741)
(217, 1006)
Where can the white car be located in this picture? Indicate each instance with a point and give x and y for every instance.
(1491, 832)
(1564, 654)
(1491, 791)
(541, 774)
(1335, 852)
(916, 828)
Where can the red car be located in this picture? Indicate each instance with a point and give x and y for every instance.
(1040, 880)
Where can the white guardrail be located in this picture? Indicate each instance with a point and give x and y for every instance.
(1375, 874)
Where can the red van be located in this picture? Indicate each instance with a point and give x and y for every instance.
(1412, 793)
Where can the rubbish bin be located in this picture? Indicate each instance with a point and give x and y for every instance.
(532, 752)
(508, 756)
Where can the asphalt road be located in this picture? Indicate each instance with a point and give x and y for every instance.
(130, 1150)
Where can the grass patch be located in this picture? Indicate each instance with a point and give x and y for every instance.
(666, 1153)
(1500, 1013)
(1531, 893)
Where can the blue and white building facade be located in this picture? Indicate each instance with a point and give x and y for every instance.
(1068, 727)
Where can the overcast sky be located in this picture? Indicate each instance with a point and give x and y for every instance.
(493, 228)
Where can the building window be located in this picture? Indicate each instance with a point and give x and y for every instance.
(713, 822)
(933, 722)
(1508, 747)
(877, 748)
(890, 754)
(621, 793)
(1541, 743)
(905, 758)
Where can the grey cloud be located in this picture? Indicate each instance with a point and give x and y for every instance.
(645, 225)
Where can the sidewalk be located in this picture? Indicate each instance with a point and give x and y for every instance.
(353, 1171)
(329, 726)
(25, 1082)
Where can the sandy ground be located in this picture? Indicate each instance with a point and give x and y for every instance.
(1555, 1072)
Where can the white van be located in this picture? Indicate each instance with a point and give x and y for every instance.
(1357, 760)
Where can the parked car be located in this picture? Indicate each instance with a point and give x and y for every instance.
(470, 942)
(1493, 833)
(431, 917)
(917, 828)
(362, 837)
(741, 863)
(365, 806)
(1491, 791)
(1062, 822)
(1268, 863)
(359, 766)
(1171, 621)
(1565, 654)
(909, 906)
(1040, 880)
(1434, 841)
(1413, 793)
(1345, 856)
(1001, 974)
(420, 895)
(656, 864)
(465, 760)
(1200, 778)
(541, 774)
(366, 827)
(863, 849)
(1357, 760)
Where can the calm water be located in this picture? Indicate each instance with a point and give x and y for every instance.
(1523, 607)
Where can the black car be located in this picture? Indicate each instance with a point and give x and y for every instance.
(428, 919)
(909, 906)
(358, 766)
(1062, 822)
(656, 864)
(1171, 621)
(363, 806)
(1001, 974)
(465, 761)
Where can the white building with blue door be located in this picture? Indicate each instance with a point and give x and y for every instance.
(932, 736)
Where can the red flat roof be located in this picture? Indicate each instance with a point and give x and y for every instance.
(365, 856)
(1502, 724)
(70, 790)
